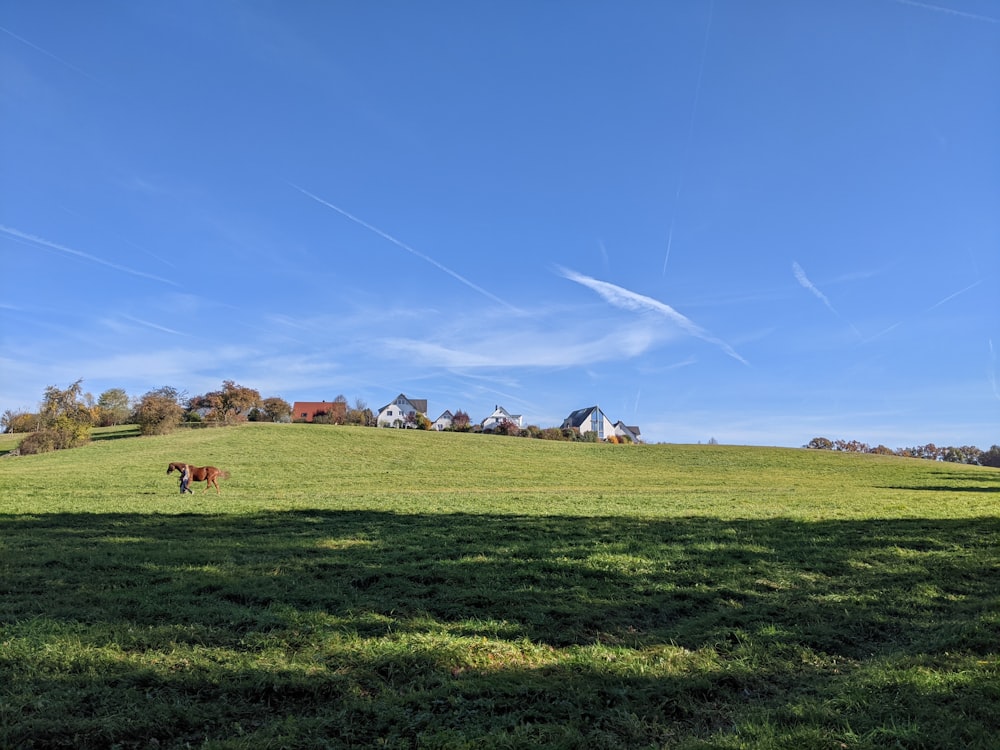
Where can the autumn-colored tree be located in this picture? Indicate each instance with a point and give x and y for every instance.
(230, 404)
(460, 421)
(276, 409)
(507, 427)
(64, 418)
(159, 411)
(20, 421)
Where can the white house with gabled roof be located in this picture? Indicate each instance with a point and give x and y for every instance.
(401, 411)
(629, 432)
(443, 422)
(499, 416)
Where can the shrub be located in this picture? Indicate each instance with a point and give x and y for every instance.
(42, 441)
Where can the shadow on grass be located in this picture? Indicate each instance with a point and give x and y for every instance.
(941, 488)
(772, 602)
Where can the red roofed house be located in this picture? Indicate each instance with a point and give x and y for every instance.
(308, 411)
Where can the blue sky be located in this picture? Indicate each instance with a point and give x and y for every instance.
(755, 222)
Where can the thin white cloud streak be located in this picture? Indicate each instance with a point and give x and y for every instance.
(800, 276)
(670, 241)
(32, 239)
(45, 52)
(154, 326)
(952, 296)
(949, 11)
(523, 349)
(407, 248)
(629, 300)
(932, 307)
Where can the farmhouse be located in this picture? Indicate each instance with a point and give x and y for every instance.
(308, 411)
(400, 412)
(499, 416)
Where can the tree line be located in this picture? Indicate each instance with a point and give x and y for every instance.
(966, 454)
(65, 416)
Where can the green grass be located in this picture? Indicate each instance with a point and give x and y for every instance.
(377, 588)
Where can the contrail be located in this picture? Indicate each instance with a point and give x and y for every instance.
(952, 296)
(49, 54)
(690, 135)
(154, 326)
(932, 307)
(949, 11)
(24, 236)
(628, 300)
(604, 253)
(800, 276)
(670, 241)
(407, 248)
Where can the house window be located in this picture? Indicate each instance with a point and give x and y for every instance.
(597, 424)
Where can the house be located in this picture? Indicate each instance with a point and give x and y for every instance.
(308, 411)
(498, 416)
(401, 411)
(630, 432)
(590, 419)
(443, 422)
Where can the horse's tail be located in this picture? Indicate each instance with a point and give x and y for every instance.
(223, 474)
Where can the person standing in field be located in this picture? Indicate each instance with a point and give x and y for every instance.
(185, 478)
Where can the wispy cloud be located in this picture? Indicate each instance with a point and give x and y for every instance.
(32, 239)
(45, 52)
(154, 326)
(936, 305)
(800, 276)
(404, 246)
(954, 294)
(525, 348)
(629, 300)
(949, 11)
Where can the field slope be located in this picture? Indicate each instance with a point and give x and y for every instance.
(375, 588)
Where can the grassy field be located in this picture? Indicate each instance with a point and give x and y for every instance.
(377, 588)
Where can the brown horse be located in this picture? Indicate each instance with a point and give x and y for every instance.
(206, 474)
